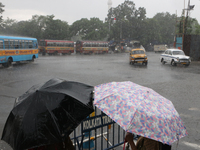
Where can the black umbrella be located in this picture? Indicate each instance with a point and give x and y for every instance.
(47, 113)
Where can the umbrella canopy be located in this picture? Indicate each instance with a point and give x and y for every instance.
(140, 110)
(47, 113)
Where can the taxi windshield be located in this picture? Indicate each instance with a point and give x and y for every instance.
(138, 52)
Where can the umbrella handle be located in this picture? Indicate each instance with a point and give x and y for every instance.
(124, 144)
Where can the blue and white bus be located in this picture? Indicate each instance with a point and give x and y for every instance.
(16, 49)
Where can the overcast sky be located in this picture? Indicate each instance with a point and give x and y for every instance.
(73, 10)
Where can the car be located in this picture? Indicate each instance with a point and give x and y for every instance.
(174, 57)
(138, 55)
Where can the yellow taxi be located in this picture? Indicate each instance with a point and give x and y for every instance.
(138, 55)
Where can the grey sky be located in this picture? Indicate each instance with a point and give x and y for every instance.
(73, 10)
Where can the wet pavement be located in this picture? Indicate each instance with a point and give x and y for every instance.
(179, 84)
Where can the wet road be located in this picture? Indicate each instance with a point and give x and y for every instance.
(179, 84)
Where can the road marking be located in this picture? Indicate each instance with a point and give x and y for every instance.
(187, 116)
(195, 109)
(192, 145)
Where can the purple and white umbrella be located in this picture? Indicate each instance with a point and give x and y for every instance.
(140, 110)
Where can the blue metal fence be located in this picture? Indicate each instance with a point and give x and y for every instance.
(98, 132)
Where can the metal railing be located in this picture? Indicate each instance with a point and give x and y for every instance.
(97, 132)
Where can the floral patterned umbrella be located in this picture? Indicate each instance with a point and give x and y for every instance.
(140, 110)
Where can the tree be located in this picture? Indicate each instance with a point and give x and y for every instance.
(93, 29)
(150, 32)
(129, 21)
(79, 27)
(40, 27)
(197, 29)
(56, 29)
(6, 26)
(1, 11)
(191, 27)
(166, 28)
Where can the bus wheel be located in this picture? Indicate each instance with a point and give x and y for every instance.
(8, 64)
(33, 58)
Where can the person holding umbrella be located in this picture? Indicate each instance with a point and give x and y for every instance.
(141, 111)
(142, 143)
(47, 114)
(129, 139)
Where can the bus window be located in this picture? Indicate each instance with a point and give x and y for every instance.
(16, 44)
(6, 44)
(30, 44)
(26, 44)
(23, 44)
(12, 44)
(1, 44)
(20, 44)
(35, 44)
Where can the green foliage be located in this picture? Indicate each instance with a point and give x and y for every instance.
(131, 23)
(55, 29)
(187, 25)
(40, 27)
(93, 29)
(197, 29)
(1, 11)
(166, 27)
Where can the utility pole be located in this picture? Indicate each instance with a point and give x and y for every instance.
(186, 18)
(189, 7)
(183, 25)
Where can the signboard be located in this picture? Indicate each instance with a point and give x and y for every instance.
(96, 122)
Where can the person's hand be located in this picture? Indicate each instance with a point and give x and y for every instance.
(129, 137)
